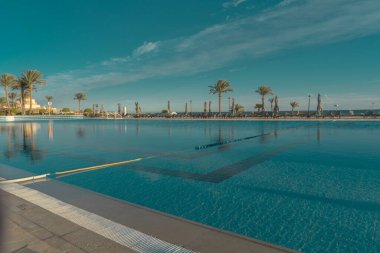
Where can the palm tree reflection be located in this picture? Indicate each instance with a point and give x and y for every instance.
(51, 130)
(81, 132)
(264, 137)
(319, 133)
(26, 146)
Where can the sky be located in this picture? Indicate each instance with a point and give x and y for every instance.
(152, 51)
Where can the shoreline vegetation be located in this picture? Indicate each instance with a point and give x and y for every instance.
(189, 118)
(21, 102)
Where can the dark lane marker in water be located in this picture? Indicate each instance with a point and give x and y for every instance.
(231, 170)
(220, 174)
(355, 204)
(228, 141)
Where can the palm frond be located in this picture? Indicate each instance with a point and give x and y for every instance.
(294, 104)
(80, 96)
(264, 90)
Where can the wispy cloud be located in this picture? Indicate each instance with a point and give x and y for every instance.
(286, 2)
(344, 101)
(233, 3)
(375, 81)
(116, 60)
(146, 48)
(286, 26)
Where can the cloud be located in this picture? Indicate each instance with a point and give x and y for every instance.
(233, 3)
(146, 48)
(285, 26)
(116, 60)
(143, 49)
(344, 101)
(286, 2)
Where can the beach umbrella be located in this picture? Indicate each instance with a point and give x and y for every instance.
(209, 106)
(276, 109)
(186, 108)
(319, 105)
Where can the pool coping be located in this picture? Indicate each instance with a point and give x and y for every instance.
(176, 230)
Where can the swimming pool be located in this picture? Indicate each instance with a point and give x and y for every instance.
(310, 186)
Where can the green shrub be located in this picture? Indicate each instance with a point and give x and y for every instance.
(66, 110)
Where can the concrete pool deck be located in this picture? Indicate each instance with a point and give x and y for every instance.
(29, 228)
(41, 229)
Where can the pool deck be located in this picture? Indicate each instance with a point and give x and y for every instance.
(30, 227)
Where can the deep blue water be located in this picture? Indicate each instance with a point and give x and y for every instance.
(310, 186)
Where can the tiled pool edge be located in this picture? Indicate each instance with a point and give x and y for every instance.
(165, 225)
(121, 234)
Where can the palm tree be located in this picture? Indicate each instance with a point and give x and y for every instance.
(32, 77)
(220, 87)
(3, 102)
(7, 80)
(12, 96)
(239, 108)
(259, 107)
(23, 86)
(264, 91)
(49, 98)
(294, 104)
(80, 96)
(271, 101)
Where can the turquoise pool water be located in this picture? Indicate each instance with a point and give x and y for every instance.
(310, 186)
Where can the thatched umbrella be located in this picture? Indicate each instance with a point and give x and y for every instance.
(276, 109)
(319, 105)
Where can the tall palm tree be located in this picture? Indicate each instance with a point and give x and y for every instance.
(80, 96)
(23, 87)
(49, 98)
(12, 96)
(271, 101)
(264, 91)
(220, 87)
(294, 104)
(7, 80)
(32, 77)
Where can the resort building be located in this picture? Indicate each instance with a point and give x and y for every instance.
(35, 106)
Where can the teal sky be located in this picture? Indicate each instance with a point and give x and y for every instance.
(152, 51)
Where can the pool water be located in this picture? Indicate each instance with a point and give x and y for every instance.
(309, 186)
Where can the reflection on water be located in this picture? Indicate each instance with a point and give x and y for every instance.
(21, 141)
(264, 137)
(317, 181)
(137, 128)
(51, 130)
(81, 132)
(221, 139)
